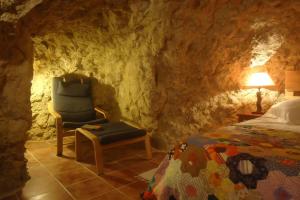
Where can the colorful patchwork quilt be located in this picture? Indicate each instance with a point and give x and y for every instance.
(238, 162)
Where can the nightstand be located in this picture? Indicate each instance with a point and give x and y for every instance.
(247, 116)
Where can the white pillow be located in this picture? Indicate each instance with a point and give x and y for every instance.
(287, 111)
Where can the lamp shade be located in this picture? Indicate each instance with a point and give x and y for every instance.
(259, 80)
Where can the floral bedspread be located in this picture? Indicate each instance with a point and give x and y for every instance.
(238, 162)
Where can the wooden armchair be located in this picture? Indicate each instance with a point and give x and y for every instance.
(72, 107)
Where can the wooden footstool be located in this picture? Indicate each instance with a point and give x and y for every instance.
(111, 135)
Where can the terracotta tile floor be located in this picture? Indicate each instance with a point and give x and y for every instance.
(62, 178)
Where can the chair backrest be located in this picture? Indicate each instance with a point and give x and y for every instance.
(73, 99)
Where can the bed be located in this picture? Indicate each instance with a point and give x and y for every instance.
(255, 159)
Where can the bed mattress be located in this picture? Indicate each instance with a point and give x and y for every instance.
(268, 121)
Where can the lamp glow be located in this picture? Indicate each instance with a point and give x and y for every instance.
(260, 79)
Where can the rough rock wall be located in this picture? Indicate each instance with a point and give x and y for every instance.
(209, 45)
(173, 66)
(15, 113)
(114, 45)
(12, 10)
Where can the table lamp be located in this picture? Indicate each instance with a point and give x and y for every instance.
(259, 80)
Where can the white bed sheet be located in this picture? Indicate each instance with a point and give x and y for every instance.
(268, 121)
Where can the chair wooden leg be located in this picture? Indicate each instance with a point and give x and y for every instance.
(98, 152)
(148, 147)
(59, 141)
(77, 145)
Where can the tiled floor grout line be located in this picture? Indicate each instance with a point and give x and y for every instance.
(123, 192)
(61, 185)
(118, 189)
(124, 186)
(79, 182)
(65, 187)
(114, 188)
(102, 179)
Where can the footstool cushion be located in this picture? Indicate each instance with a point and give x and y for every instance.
(117, 131)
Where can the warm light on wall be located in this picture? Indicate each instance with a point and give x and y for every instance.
(38, 84)
(258, 80)
(263, 50)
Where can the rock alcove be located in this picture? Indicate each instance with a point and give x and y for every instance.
(174, 67)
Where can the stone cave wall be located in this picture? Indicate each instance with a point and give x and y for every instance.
(175, 67)
(112, 45)
(15, 113)
(208, 47)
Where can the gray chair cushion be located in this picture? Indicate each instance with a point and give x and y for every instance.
(83, 116)
(72, 108)
(72, 104)
(73, 89)
(117, 131)
(79, 124)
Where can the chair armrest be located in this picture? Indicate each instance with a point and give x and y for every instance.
(55, 114)
(102, 112)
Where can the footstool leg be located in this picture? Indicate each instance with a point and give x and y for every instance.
(98, 157)
(97, 148)
(77, 145)
(148, 147)
(59, 136)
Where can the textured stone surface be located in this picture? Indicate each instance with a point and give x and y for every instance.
(173, 67)
(112, 51)
(12, 10)
(15, 114)
(209, 44)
